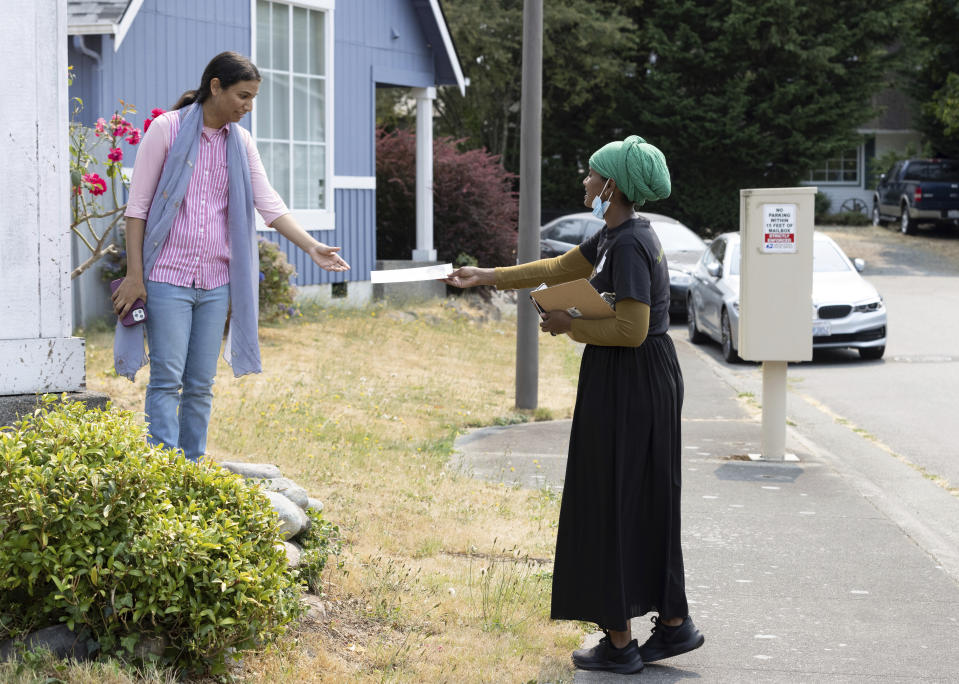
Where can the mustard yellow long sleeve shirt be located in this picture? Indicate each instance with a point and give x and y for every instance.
(627, 329)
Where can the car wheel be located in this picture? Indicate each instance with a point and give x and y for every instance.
(872, 353)
(906, 225)
(876, 216)
(696, 336)
(729, 352)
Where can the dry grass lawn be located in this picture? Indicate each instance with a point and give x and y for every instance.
(442, 577)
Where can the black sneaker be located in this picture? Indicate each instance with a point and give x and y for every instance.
(605, 656)
(667, 642)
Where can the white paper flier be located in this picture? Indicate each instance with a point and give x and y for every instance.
(409, 275)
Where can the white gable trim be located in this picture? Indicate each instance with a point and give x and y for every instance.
(125, 22)
(448, 45)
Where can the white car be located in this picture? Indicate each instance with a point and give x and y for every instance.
(847, 312)
(682, 246)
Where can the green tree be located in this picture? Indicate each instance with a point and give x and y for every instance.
(935, 84)
(588, 51)
(752, 94)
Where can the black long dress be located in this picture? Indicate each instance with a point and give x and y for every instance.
(618, 552)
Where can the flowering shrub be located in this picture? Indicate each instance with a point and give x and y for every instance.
(89, 187)
(276, 290)
(474, 206)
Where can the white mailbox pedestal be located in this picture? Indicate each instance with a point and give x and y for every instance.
(775, 295)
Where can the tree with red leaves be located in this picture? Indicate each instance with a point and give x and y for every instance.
(475, 208)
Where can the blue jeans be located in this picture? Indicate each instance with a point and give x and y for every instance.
(184, 332)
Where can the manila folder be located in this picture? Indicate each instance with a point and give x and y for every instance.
(577, 297)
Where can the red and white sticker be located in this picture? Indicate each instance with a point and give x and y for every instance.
(779, 228)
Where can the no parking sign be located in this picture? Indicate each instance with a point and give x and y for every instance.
(779, 229)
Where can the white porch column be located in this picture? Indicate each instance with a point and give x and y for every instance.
(37, 352)
(424, 174)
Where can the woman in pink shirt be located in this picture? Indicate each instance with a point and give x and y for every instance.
(191, 248)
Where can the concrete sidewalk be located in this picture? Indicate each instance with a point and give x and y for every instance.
(843, 567)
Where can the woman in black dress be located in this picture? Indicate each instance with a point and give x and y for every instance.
(618, 553)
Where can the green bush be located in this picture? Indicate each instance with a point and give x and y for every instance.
(129, 542)
(845, 218)
(317, 543)
(276, 290)
(822, 206)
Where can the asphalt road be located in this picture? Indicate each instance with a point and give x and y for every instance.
(908, 403)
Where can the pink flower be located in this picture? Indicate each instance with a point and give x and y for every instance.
(100, 127)
(95, 184)
(134, 136)
(115, 154)
(155, 112)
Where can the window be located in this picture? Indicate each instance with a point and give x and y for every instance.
(293, 113)
(843, 169)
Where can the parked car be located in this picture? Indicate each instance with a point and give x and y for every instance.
(918, 191)
(682, 246)
(847, 312)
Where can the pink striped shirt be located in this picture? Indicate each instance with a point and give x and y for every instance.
(197, 251)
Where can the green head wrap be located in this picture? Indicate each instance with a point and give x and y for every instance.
(638, 168)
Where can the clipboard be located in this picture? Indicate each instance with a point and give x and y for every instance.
(577, 298)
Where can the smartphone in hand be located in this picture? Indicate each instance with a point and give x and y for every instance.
(137, 314)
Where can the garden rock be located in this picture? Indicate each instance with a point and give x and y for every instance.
(292, 554)
(256, 471)
(150, 647)
(59, 640)
(292, 518)
(314, 505)
(288, 488)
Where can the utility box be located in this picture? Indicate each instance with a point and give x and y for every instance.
(775, 286)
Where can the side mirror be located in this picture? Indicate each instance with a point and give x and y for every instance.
(860, 264)
(715, 269)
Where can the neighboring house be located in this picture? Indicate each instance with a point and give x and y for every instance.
(314, 119)
(846, 179)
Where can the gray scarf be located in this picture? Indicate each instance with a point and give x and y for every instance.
(242, 350)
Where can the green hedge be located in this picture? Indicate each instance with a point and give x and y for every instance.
(130, 542)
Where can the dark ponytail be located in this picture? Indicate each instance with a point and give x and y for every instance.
(230, 67)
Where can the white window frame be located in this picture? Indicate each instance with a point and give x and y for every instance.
(822, 167)
(310, 219)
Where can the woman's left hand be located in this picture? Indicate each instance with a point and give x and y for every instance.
(326, 257)
(556, 322)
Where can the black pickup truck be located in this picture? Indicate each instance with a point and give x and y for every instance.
(918, 191)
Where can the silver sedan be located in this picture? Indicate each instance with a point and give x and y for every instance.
(847, 312)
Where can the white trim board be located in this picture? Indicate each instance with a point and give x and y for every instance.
(448, 45)
(354, 182)
(120, 30)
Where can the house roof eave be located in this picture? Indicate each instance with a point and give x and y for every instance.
(436, 28)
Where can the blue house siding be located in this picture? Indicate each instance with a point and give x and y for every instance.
(367, 54)
(355, 210)
(163, 54)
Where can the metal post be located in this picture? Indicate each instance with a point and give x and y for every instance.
(531, 107)
(774, 410)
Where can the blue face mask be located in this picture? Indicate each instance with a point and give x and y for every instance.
(599, 206)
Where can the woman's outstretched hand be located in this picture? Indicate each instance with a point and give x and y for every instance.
(326, 257)
(471, 276)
